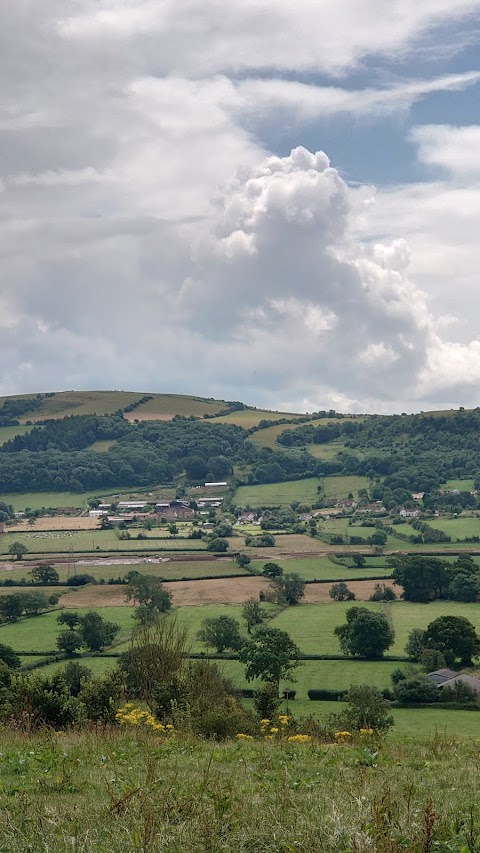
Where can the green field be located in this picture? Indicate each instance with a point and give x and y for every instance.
(248, 418)
(43, 500)
(457, 528)
(322, 568)
(311, 625)
(341, 487)
(325, 451)
(168, 570)
(89, 541)
(461, 485)
(39, 633)
(7, 433)
(278, 494)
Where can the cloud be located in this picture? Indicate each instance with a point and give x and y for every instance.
(454, 149)
(208, 36)
(150, 239)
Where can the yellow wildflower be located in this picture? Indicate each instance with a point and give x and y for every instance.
(299, 739)
(283, 719)
(242, 736)
(274, 730)
(366, 732)
(342, 736)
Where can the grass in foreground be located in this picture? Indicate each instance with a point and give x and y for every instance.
(123, 792)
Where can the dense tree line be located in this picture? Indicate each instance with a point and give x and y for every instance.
(14, 407)
(56, 456)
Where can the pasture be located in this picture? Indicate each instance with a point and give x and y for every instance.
(248, 418)
(39, 633)
(311, 625)
(462, 485)
(278, 494)
(166, 406)
(65, 403)
(458, 528)
(322, 568)
(340, 487)
(7, 433)
(107, 568)
(89, 541)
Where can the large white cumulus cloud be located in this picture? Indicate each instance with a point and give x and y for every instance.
(149, 239)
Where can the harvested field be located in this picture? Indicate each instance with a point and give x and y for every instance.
(56, 522)
(185, 593)
(216, 591)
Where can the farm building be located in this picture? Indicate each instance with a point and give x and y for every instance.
(175, 510)
(439, 676)
(409, 513)
(132, 504)
(462, 678)
(213, 485)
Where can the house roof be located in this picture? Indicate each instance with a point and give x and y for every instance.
(439, 676)
(463, 678)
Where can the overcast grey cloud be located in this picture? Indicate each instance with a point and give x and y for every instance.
(151, 238)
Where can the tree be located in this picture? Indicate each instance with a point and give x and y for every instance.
(365, 633)
(272, 570)
(69, 618)
(156, 660)
(253, 613)
(359, 560)
(173, 529)
(44, 574)
(455, 637)
(96, 632)
(382, 592)
(243, 560)
(423, 578)
(11, 607)
(341, 592)
(9, 657)
(33, 602)
(270, 655)
(18, 550)
(221, 632)
(69, 642)
(366, 709)
(415, 644)
(218, 545)
(464, 587)
(147, 591)
(289, 588)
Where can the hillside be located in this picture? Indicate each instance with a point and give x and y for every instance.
(122, 792)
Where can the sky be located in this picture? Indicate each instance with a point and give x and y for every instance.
(273, 201)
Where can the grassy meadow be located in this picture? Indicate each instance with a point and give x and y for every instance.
(278, 494)
(89, 541)
(7, 433)
(124, 792)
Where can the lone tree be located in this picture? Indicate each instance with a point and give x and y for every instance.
(455, 637)
(272, 570)
(69, 642)
(18, 550)
(148, 593)
(70, 618)
(218, 545)
(221, 632)
(253, 613)
(44, 574)
(289, 588)
(365, 633)
(270, 655)
(95, 632)
(415, 644)
(341, 592)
